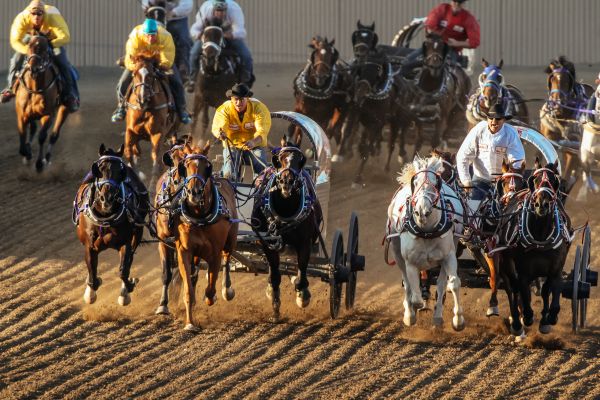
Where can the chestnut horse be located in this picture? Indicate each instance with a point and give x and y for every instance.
(150, 112)
(287, 208)
(219, 71)
(320, 89)
(38, 99)
(493, 89)
(559, 116)
(109, 211)
(206, 226)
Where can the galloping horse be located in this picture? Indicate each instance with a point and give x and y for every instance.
(439, 93)
(206, 226)
(492, 89)
(218, 71)
(559, 116)
(150, 112)
(422, 218)
(373, 95)
(38, 99)
(287, 208)
(320, 89)
(537, 234)
(109, 211)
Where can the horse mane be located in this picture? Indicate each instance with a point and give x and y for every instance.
(433, 164)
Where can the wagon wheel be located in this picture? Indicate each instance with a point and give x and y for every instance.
(337, 262)
(352, 252)
(585, 262)
(575, 283)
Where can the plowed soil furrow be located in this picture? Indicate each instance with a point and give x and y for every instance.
(301, 360)
(254, 359)
(547, 372)
(524, 365)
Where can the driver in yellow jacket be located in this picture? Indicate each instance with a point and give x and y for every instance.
(151, 39)
(243, 124)
(48, 21)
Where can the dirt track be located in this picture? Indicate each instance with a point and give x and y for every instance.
(53, 346)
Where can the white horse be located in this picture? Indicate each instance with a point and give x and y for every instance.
(423, 217)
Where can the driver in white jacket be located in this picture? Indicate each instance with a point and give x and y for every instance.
(485, 147)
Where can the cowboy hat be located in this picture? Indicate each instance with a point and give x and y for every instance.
(239, 90)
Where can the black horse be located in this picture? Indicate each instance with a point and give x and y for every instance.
(537, 232)
(109, 211)
(287, 212)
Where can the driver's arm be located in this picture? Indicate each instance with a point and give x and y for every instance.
(59, 28)
(515, 151)
(167, 53)
(465, 157)
(183, 9)
(237, 21)
(131, 49)
(18, 30)
(262, 122)
(220, 122)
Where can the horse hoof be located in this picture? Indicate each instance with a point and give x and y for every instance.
(39, 165)
(545, 329)
(410, 320)
(337, 158)
(528, 321)
(492, 312)
(294, 280)
(142, 176)
(210, 301)
(191, 328)
(89, 296)
(124, 300)
(162, 310)
(515, 332)
(303, 298)
(438, 321)
(275, 318)
(458, 323)
(520, 337)
(228, 293)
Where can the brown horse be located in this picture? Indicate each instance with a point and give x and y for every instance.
(38, 99)
(218, 71)
(206, 226)
(150, 112)
(320, 89)
(559, 116)
(492, 89)
(109, 211)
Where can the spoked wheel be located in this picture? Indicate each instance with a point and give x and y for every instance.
(583, 272)
(337, 262)
(351, 259)
(575, 287)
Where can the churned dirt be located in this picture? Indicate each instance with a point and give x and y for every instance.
(52, 345)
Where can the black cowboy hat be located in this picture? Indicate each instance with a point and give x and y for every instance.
(239, 90)
(498, 111)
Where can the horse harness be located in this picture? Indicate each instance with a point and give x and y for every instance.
(301, 84)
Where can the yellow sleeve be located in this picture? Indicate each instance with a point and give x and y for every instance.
(262, 122)
(58, 27)
(17, 31)
(131, 49)
(167, 53)
(220, 121)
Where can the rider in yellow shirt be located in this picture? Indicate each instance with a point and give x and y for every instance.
(243, 123)
(151, 39)
(47, 20)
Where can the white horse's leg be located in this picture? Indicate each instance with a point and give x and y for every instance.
(438, 311)
(413, 300)
(409, 315)
(458, 321)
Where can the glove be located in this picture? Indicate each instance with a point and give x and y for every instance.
(222, 135)
(26, 38)
(56, 51)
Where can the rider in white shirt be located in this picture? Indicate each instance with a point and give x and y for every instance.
(231, 14)
(485, 147)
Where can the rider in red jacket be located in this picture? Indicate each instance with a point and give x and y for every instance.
(457, 26)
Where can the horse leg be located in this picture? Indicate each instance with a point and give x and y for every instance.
(555, 285)
(493, 305)
(511, 284)
(214, 264)
(424, 285)
(93, 281)
(184, 258)
(394, 130)
(45, 125)
(127, 284)
(365, 150)
(442, 281)
(525, 295)
(24, 146)
(345, 136)
(226, 290)
(301, 282)
(545, 326)
(155, 139)
(61, 117)
(451, 266)
(166, 256)
(273, 292)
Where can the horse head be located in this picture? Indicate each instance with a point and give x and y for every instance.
(38, 54)
(364, 39)
(367, 75)
(511, 181)
(491, 81)
(213, 41)
(544, 185)
(561, 83)
(435, 51)
(426, 187)
(322, 59)
(157, 11)
(289, 162)
(144, 76)
(109, 174)
(448, 172)
(196, 170)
